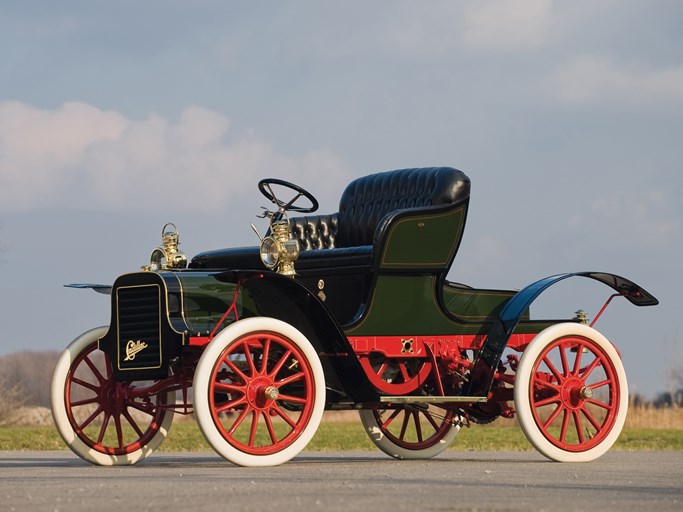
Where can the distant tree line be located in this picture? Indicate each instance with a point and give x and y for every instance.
(662, 399)
(28, 374)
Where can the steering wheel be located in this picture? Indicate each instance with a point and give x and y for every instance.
(265, 186)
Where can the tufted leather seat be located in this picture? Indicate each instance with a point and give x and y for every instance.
(316, 231)
(368, 200)
(367, 208)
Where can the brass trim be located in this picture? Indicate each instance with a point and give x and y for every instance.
(431, 399)
(286, 248)
(169, 321)
(133, 348)
(167, 256)
(407, 346)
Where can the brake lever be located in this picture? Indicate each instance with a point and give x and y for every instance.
(267, 214)
(258, 234)
(272, 216)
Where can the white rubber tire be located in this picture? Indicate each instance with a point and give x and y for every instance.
(385, 444)
(61, 418)
(202, 381)
(522, 392)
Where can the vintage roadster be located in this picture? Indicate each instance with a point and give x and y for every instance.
(349, 310)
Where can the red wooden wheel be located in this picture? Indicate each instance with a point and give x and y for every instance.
(571, 393)
(104, 421)
(411, 431)
(394, 376)
(257, 380)
(259, 392)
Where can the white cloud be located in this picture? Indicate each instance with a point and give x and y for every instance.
(591, 79)
(78, 155)
(39, 149)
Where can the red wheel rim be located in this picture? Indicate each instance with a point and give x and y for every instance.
(574, 393)
(414, 428)
(261, 393)
(396, 376)
(115, 418)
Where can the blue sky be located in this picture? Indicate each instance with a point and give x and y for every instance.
(567, 116)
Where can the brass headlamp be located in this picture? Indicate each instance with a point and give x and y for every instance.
(168, 256)
(279, 250)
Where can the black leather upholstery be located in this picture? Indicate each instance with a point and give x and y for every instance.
(346, 238)
(338, 257)
(316, 231)
(368, 199)
(235, 258)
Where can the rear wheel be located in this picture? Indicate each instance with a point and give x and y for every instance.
(394, 376)
(571, 393)
(259, 392)
(410, 431)
(103, 421)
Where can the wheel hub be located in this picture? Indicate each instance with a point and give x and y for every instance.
(586, 393)
(114, 397)
(261, 393)
(574, 393)
(271, 392)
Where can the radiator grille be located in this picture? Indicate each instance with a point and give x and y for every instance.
(139, 327)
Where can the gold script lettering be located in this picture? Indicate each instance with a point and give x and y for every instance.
(133, 347)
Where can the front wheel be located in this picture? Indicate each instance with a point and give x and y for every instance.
(410, 431)
(571, 393)
(259, 392)
(103, 421)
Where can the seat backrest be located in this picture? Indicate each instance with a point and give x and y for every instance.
(420, 194)
(368, 199)
(316, 231)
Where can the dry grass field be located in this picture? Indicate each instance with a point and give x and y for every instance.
(646, 428)
(640, 417)
(646, 416)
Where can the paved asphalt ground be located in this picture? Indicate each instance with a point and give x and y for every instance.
(344, 481)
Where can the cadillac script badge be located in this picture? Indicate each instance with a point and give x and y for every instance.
(133, 347)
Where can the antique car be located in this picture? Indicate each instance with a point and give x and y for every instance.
(343, 311)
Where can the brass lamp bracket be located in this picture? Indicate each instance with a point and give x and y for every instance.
(280, 250)
(167, 256)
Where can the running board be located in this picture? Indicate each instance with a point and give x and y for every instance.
(431, 399)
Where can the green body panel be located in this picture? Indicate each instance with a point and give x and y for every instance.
(408, 304)
(472, 305)
(423, 241)
(206, 298)
(403, 304)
